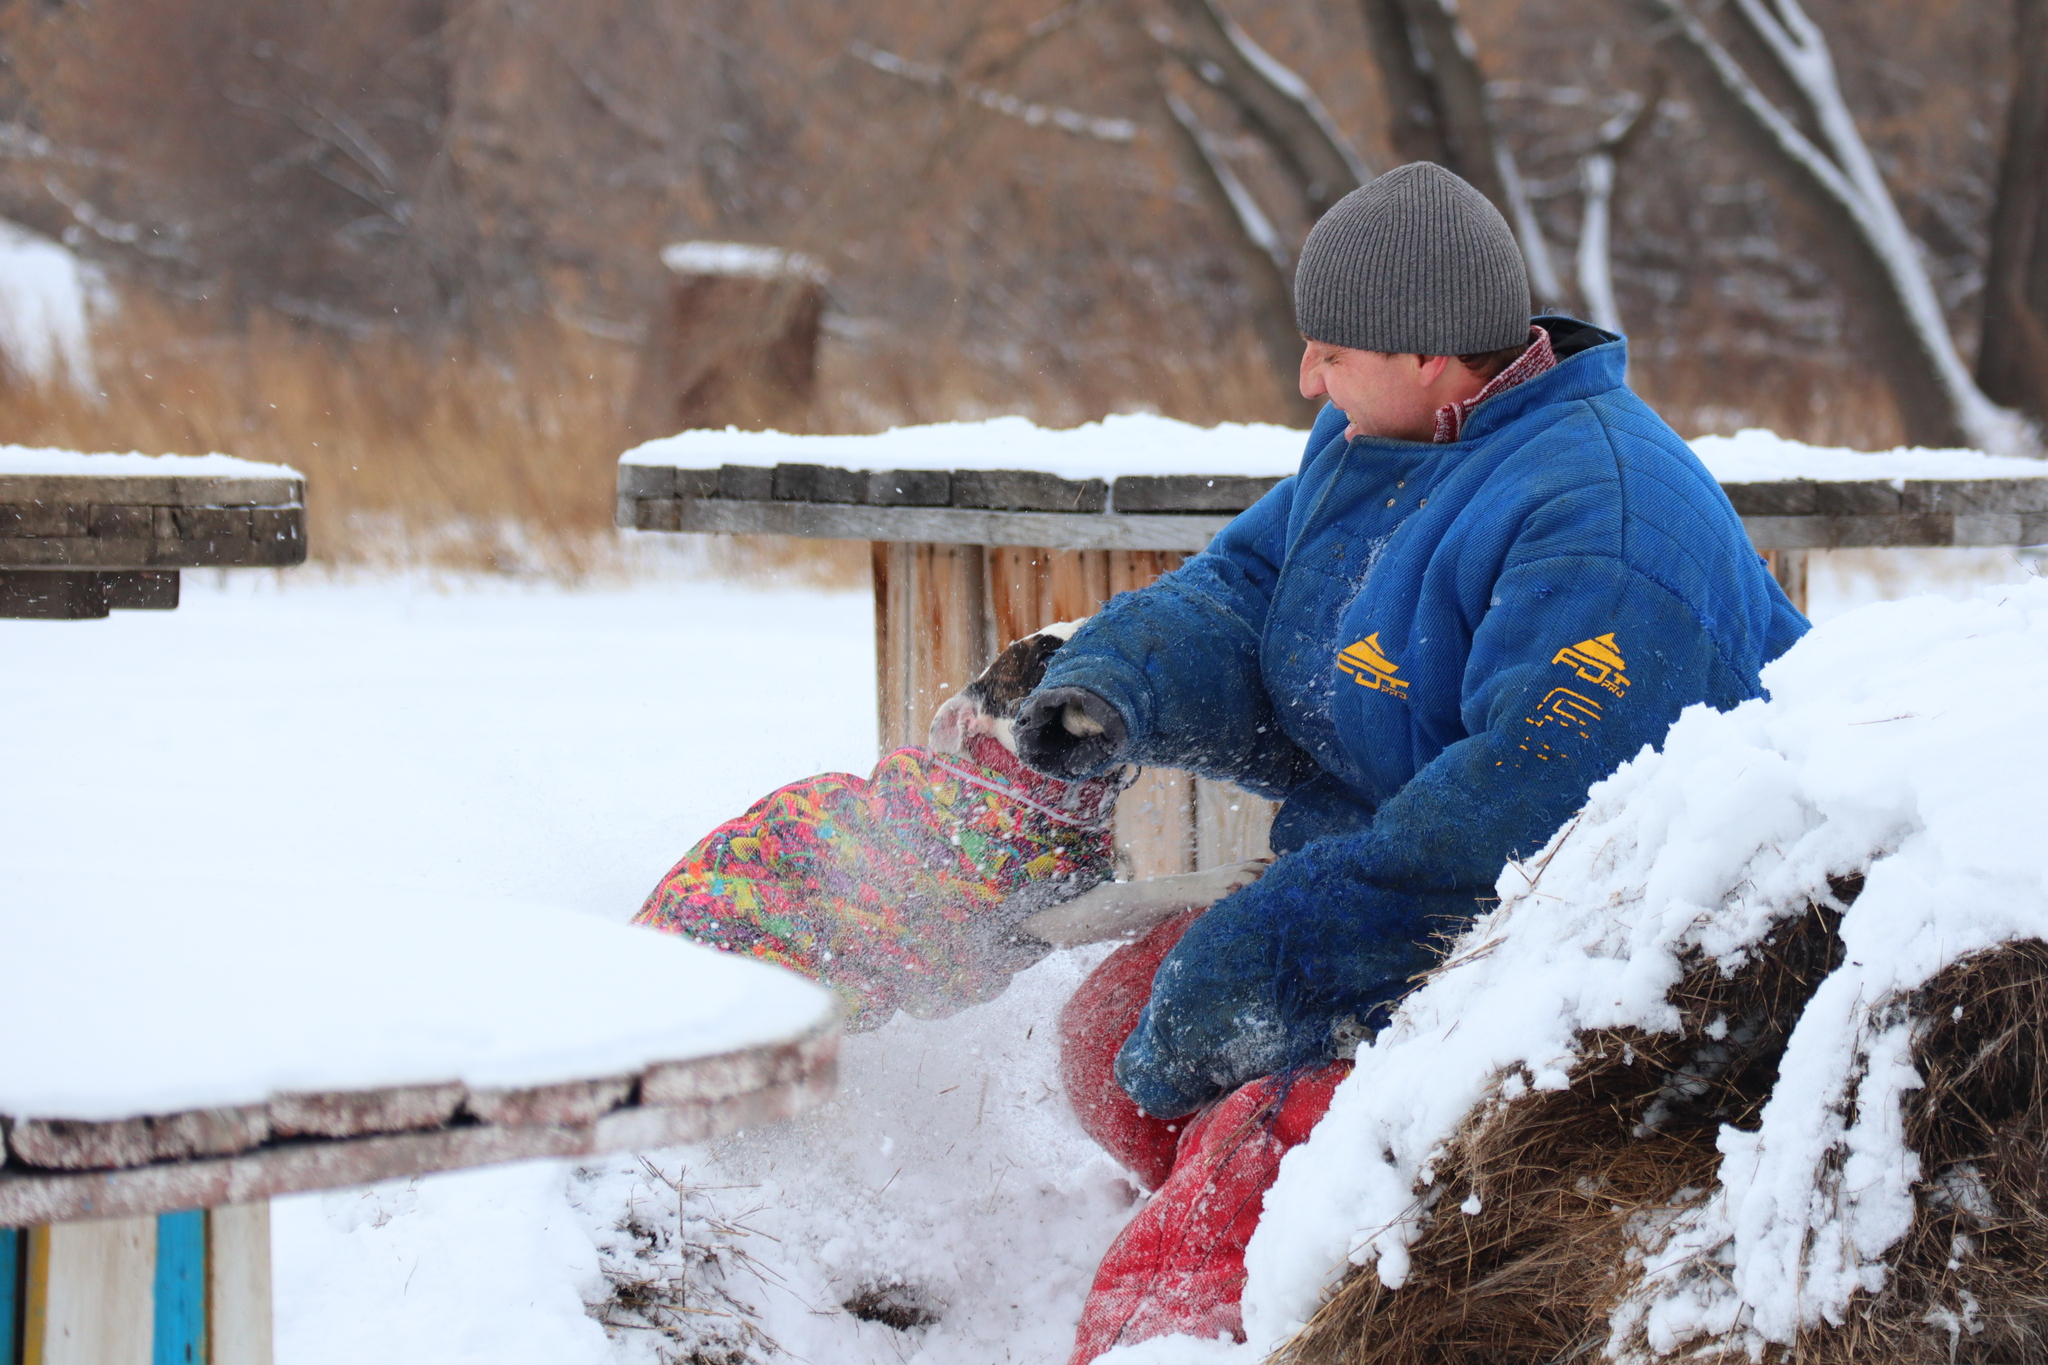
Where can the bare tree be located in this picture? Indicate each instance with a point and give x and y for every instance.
(2012, 362)
(1264, 262)
(1836, 175)
(1596, 178)
(1276, 104)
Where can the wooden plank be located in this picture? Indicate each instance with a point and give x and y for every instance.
(92, 1288)
(942, 525)
(1027, 490)
(1789, 568)
(141, 590)
(1974, 495)
(238, 1284)
(1155, 825)
(40, 595)
(13, 1270)
(1851, 531)
(1188, 492)
(574, 1102)
(910, 488)
(1231, 824)
(80, 1145)
(932, 633)
(819, 483)
(82, 489)
(179, 1291)
(280, 543)
(347, 1113)
(753, 483)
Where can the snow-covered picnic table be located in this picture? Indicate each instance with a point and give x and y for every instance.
(205, 1045)
(81, 535)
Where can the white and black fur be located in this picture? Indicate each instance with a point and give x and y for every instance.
(1067, 914)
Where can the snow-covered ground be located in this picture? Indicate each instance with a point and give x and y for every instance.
(486, 739)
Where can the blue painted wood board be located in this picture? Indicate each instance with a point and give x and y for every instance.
(180, 1289)
(13, 1278)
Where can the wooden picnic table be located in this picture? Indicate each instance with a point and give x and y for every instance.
(194, 1050)
(82, 535)
(1021, 531)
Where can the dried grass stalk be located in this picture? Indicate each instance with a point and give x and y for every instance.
(1561, 1175)
(1566, 1179)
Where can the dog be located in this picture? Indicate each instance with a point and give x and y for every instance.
(927, 885)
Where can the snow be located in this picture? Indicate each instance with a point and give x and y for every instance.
(739, 258)
(253, 988)
(47, 296)
(1756, 456)
(1131, 443)
(1905, 739)
(47, 460)
(1142, 443)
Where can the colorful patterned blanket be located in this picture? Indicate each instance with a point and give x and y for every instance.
(892, 889)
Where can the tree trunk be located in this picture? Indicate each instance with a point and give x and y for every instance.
(1412, 106)
(2012, 363)
(1276, 103)
(1261, 260)
(1876, 261)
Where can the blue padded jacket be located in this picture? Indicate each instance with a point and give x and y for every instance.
(1428, 653)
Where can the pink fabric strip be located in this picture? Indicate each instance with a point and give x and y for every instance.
(1001, 789)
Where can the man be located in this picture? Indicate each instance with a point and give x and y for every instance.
(1496, 577)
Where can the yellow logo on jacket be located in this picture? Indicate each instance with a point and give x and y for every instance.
(1598, 661)
(1369, 666)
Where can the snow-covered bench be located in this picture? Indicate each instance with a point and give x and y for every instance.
(189, 1047)
(84, 534)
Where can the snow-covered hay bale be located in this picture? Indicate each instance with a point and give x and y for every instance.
(1748, 1064)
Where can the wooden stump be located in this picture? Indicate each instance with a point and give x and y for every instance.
(943, 611)
(737, 343)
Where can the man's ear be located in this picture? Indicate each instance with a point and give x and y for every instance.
(1431, 369)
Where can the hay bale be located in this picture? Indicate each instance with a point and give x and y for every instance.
(1543, 1207)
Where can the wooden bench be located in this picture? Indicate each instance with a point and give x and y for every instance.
(83, 535)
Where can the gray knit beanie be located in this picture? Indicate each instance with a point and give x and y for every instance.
(1413, 260)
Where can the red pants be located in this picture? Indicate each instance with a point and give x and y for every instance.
(1179, 1265)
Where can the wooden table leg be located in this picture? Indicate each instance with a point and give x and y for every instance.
(238, 1285)
(187, 1288)
(91, 1293)
(1789, 568)
(943, 611)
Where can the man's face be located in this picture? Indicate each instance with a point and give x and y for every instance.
(1385, 395)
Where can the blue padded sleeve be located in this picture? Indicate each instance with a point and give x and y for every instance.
(1180, 659)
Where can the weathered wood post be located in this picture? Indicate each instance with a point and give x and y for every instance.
(737, 340)
(943, 611)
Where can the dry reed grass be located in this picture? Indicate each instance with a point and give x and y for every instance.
(1567, 1180)
(495, 451)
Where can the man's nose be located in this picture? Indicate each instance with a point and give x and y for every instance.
(1312, 385)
